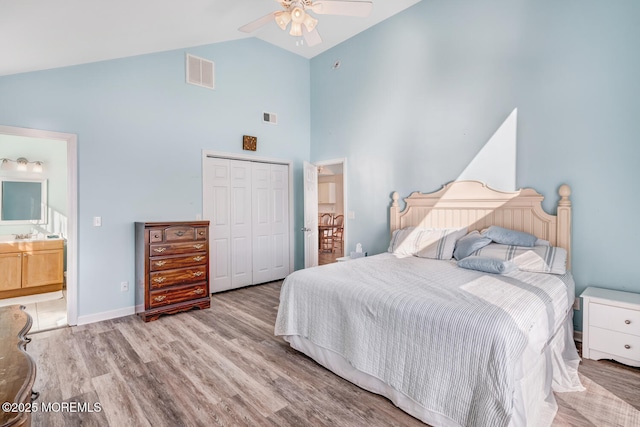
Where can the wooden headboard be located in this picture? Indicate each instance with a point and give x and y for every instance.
(474, 205)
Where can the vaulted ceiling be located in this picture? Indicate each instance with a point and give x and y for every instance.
(38, 35)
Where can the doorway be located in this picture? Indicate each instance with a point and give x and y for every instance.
(69, 228)
(332, 212)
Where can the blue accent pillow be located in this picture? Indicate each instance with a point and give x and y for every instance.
(504, 236)
(486, 264)
(469, 244)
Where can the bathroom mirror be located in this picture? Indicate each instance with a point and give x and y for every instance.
(23, 201)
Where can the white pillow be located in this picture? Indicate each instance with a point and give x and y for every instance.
(438, 243)
(435, 243)
(403, 242)
(537, 259)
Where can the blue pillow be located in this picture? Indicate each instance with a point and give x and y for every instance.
(469, 244)
(486, 264)
(504, 236)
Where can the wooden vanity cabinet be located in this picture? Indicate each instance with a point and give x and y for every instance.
(172, 267)
(31, 267)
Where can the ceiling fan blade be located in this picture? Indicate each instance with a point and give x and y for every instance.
(252, 26)
(312, 38)
(342, 7)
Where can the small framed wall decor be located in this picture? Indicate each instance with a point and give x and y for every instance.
(249, 142)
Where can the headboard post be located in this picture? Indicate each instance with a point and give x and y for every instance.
(564, 221)
(394, 212)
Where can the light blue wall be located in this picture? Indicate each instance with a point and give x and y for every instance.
(141, 131)
(417, 96)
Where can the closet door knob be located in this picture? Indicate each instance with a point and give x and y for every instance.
(628, 322)
(627, 346)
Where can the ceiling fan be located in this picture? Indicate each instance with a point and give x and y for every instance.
(296, 12)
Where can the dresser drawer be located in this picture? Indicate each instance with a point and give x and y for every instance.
(202, 233)
(162, 279)
(614, 318)
(175, 295)
(168, 263)
(176, 248)
(616, 343)
(179, 233)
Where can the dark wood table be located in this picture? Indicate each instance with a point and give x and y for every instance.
(17, 368)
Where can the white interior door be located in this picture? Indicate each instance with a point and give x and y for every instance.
(248, 206)
(310, 228)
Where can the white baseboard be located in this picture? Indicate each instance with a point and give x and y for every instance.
(577, 336)
(106, 315)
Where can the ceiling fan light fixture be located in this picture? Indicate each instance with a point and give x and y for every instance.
(296, 29)
(283, 19)
(297, 15)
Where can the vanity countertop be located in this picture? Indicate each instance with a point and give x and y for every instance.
(33, 244)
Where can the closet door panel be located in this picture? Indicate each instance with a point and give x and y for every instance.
(241, 262)
(217, 210)
(279, 207)
(261, 223)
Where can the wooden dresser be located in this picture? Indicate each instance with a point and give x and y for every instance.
(17, 368)
(172, 267)
(31, 267)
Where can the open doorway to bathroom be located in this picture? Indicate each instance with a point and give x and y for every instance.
(39, 255)
(332, 213)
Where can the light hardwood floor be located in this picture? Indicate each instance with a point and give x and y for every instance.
(223, 366)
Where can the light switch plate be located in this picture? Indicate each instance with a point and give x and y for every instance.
(97, 221)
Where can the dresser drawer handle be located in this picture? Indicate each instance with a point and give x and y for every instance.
(198, 258)
(159, 279)
(156, 236)
(198, 274)
(628, 322)
(180, 233)
(198, 246)
(160, 263)
(160, 250)
(627, 346)
(198, 291)
(201, 233)
(160, 298)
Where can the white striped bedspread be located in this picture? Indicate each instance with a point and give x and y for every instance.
(446, 337)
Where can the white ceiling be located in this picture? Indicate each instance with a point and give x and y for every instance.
(44, 34)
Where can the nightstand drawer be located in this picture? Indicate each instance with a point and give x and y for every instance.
(614, 318)
(616, 343)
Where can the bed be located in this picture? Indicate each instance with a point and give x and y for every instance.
(448, 345)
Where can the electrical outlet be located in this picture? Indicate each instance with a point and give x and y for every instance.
(124, 286)
(576, 304)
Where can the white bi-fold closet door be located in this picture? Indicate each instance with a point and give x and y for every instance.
(247, 204)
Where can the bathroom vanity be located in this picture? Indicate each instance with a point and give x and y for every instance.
(31, 266)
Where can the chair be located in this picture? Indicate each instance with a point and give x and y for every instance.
(338, 230)
(326, 232)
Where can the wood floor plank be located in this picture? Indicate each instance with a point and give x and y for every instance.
(119, 404)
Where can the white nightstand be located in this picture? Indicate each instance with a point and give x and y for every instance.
(611, 325)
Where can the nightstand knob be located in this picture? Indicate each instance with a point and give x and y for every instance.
(628, 322)
(627, 346)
